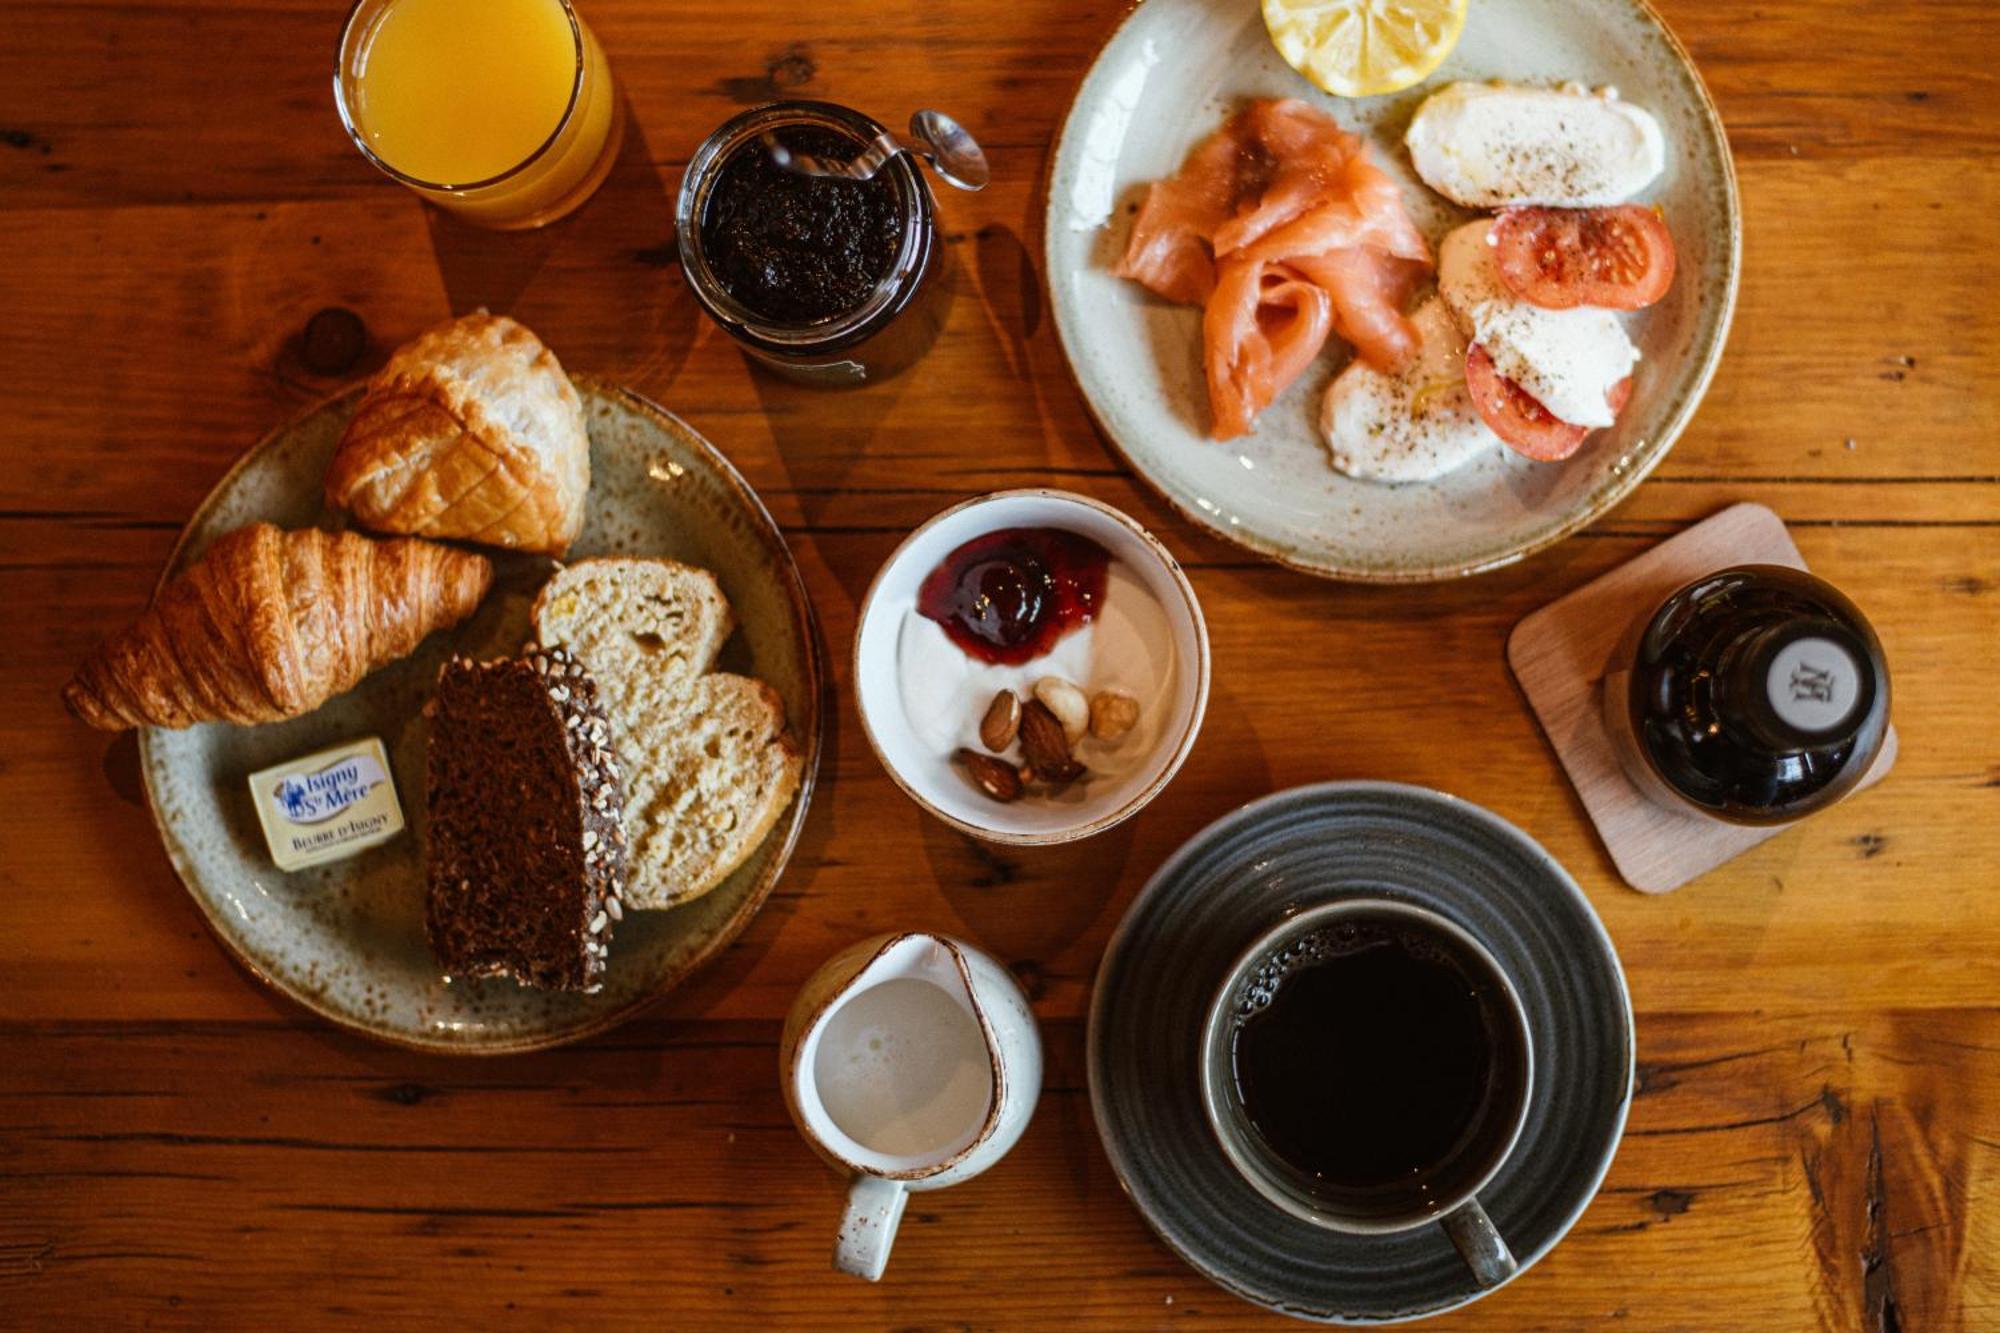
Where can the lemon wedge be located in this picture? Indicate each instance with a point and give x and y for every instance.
(1359, 48)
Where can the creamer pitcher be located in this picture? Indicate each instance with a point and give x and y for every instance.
(911, 1062)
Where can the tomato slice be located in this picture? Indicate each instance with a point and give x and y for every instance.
(1529, 429)
(1557, 258)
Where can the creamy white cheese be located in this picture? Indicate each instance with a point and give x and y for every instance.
(1412, 426)
(1566, 360)
(1129, 648)
(1493, 145)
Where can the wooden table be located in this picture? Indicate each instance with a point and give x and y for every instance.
(1816, 1140)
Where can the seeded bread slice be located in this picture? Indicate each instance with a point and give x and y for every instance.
(526, 855)
(708, 762)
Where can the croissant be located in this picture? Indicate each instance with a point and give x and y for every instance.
(270, 624)
(472, 431)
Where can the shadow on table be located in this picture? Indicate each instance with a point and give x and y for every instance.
(1026, 905)
(604, 281)
(821, 436)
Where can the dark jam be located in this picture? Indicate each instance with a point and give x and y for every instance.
(798, 249)
(1009, 596)
(1759, 694)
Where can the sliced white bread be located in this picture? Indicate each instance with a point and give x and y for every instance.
(708, 763)
(636, 620)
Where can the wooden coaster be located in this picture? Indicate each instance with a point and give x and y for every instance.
(1558, 654)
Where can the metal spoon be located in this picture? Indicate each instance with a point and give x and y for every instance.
(941, 141)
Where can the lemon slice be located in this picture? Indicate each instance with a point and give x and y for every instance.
(1359, 48)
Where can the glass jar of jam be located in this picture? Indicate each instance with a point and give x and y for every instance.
(827, 280)
(1755, 695)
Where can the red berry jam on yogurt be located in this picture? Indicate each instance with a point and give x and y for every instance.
(1007, 597)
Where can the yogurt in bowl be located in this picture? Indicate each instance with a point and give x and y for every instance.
(1107, 622)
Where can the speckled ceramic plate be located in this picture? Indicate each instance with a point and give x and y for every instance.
(1244, 873)
(347, 939)
(1171, 74)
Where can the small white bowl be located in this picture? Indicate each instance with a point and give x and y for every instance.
(932, 780)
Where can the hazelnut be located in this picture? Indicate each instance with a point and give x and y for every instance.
(1112, 715)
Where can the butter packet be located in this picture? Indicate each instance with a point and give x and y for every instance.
(328, 805)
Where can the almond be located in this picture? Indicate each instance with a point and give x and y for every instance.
(995, 777)
(1068, 703)
(1112, 715)
(1045, 745)
(1002, 721)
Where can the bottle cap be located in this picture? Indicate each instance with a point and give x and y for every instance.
(1810, 684)
(1815, 683)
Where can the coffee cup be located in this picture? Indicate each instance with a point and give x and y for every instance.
(1366, 1067)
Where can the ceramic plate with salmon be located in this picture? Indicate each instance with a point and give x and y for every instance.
(1223, 240)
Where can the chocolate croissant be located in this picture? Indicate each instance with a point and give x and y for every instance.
(471, 431)
(270, 624)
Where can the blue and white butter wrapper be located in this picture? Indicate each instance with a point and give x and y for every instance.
(328, 805)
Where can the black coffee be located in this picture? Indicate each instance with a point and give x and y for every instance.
(1371, 1053)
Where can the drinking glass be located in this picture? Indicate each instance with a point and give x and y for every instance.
(503, 112)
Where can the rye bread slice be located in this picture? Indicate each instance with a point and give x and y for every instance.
(525, 859)
(708, 760)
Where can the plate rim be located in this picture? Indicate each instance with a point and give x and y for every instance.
(1621, 486)
(732, 927)
(1249, 810)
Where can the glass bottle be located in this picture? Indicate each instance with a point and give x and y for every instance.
(444, 96)
(1754, 695)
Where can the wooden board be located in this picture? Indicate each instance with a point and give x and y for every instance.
(1813, 1143)
(1559, 653)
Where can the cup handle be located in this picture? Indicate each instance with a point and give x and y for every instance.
(874, 1210)
(1484, 1250)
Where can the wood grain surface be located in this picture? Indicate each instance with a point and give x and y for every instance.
(1816, 1139)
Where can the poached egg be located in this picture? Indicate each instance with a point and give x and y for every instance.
(1415, 425)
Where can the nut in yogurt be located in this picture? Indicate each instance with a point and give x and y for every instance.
(1068, 703)
(1112, 715)
(995, 777)
(1046, 747)
(1002, 721)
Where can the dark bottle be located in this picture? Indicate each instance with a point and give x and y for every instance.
(1755, 695)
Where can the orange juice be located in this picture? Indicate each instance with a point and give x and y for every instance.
(502, 111)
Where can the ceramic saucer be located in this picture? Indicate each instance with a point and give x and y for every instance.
(1306, 846)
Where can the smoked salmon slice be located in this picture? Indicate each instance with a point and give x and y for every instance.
(1169, 251)
(1369, 291)
(1262, 328)
(1356, 205)
(1285, 229)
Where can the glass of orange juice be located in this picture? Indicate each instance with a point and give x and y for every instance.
(502, 111)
